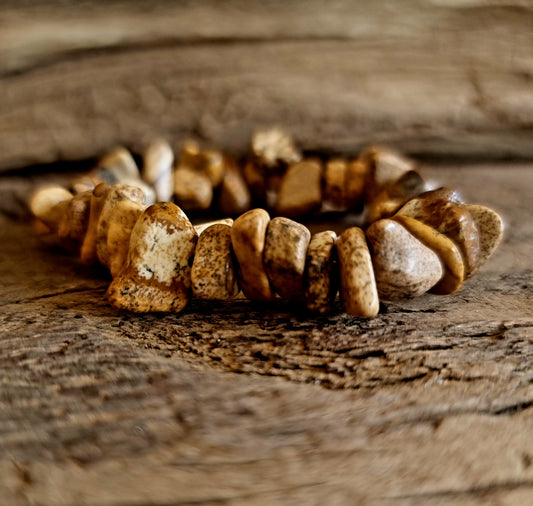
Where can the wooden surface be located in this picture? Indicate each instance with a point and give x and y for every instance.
(245, 404)
(431, 77)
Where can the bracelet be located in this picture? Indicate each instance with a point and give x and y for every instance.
(410, 239)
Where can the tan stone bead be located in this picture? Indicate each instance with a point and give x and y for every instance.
(200, 227)
(321, 273)
(125, 215)
(355, 178)
(450, 219)
(209, 162)
(157, 275)
(118, 166)
(214, 272)
(403, 266)
(235, 197)
(48, 205)
(490, 227)
(192, 189)
(334, 191)
(284, 256)
(255, 179)
(88, 254)
(301, 189)
(73, 225)
(116, 194)
(158, 170)
(359, 293)
(248, 240)
(273, 146)
(444, 247)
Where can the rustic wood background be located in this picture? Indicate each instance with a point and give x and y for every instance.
(247, 404)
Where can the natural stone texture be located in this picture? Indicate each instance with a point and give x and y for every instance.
(74, 221)
(444, 247)
(359, 293)
(158, 170)
(248, 235)
(334, 189)
(321, 272)
(256, 180)
(214, 271)
(48, 205)
(284, 256)
(436, 209)
(273, 147)
(209, 162)
(118, 166)
(355, 184)
(88, 254)
(192, 189)
(200, 227)
(403, 266)
(490, 227)
(157, 276)
(125, 215)
(235, 196)
(116, 194)
(301, 189)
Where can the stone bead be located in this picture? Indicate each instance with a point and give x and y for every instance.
(48, 205)
(403, 266)
(74, 222)
(284, 256)
(301, 189)
(490, 227)
(209, 162)
(248, 240)
(88, 254)
(118, 166)
(321, 285)
(192, 189)
(158, 170)
(200, 227)
(214, 272)
(235, 196)
(450, 219)
(157, 275)
(359, 293)
(125, 215)
(334, 191)
(273, 146)
(445, 248)
(255, 179)
(116, 194)
(356, 173)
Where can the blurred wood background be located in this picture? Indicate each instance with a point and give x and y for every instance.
(430, 403)
(432, 77)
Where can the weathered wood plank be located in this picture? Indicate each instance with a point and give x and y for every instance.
(430, 403)
(437, 78)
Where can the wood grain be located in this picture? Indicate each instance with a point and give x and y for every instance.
(240, 403)
(437, 78)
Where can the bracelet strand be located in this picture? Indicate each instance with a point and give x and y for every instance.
(411, 240)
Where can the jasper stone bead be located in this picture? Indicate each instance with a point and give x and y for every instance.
(321, 272)
(403, 266)
(158, 170)
(88, 254)
(248, 235)
(450, 219)
(157, 275)
(284, 256)
(192, 189)
(214, 271)
(445, 248)
(359, 293)
(235, 196)
(73, 224)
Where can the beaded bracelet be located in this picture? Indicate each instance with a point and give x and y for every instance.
(411, 240)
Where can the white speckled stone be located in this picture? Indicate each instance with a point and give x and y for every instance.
(284, 256)
(248, 235)
(321, 273)
(214, 271)
(157, 276)
(158, 170)
(490, 228)
(359, 293)
(403, 266)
